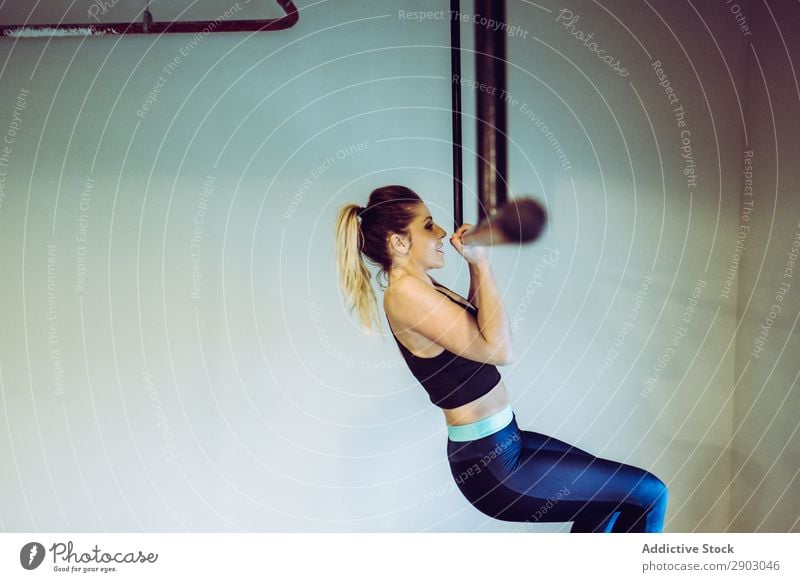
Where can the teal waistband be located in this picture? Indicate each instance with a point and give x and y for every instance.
(482, 428)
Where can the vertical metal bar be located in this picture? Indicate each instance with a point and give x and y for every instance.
(490, 72)
(455, 80)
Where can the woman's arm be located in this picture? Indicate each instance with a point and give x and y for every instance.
(419, 307)
(484, 294)
(492, 319)
(472, 297)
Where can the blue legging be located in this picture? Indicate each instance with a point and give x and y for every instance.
(515, 475)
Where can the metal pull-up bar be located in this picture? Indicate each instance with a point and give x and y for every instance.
(147, 26)
(520, 220)
(490, 71)
(455, 85)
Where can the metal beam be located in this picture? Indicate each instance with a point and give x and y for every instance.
(147, 26)
(490, 71)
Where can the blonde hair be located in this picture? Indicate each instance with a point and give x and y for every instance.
(354, 277)
(365, 231)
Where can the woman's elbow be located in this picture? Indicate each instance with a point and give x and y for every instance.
(505, 357)
(508, 360)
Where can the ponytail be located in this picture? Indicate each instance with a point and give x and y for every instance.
(354, 277)
(390, 210)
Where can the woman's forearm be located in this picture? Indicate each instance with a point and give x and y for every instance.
(472, 296)
(492, 320)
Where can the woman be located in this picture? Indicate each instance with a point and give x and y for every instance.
(453, 345)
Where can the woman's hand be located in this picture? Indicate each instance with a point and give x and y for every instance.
(473, 254)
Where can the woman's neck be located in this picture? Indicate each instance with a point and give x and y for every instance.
(398, 272)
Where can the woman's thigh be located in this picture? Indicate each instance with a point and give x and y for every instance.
(546, 465)
(534, 441)
(545, 486)
(581, 479)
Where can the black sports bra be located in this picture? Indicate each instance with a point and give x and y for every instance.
(449, 379)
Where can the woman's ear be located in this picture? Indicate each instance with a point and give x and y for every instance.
(399, 243)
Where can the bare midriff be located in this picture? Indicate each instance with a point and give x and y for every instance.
(490, 403)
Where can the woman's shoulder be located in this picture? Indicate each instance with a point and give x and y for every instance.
(397, 303)
(403, 289)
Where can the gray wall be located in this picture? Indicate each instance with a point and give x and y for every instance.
(175, 354)
(764, 440)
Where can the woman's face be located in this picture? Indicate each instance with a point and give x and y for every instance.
(426, 240)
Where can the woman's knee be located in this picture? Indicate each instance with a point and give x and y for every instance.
(652, 490)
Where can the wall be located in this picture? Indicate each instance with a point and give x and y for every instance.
(175, 355)
(764, 439)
